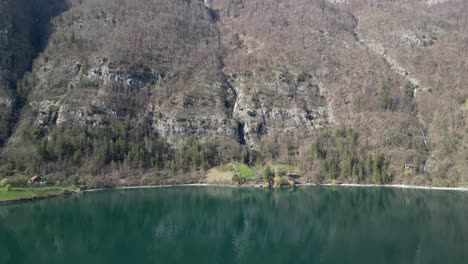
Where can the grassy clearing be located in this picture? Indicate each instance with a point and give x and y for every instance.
(244, 171)
(220, 175)
(223, 174)
(26, 193)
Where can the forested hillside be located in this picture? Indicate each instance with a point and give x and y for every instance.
(106, 92)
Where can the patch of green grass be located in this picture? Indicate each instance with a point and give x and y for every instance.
(224, 174)
(244, 171)
(20, 193)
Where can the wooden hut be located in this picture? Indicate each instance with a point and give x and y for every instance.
(293, 176)
(36, 180)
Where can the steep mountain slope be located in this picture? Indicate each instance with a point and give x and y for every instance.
(24, 29)
(127, 87)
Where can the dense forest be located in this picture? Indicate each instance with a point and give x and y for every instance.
(105, 92)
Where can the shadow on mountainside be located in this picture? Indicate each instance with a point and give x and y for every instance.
(28, 26)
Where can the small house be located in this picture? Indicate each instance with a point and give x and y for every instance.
(293, 176)
(36, 180)
(409, 167)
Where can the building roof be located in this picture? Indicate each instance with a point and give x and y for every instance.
(293, 175)
(35, 178)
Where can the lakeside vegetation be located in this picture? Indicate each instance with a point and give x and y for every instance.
(240, 174)
(332, 156)
(12, 194)
(16, 189)
(109, 154)
(233, 172)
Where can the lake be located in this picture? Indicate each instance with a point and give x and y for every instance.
(239, 225)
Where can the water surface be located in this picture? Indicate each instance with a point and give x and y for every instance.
(225, 225)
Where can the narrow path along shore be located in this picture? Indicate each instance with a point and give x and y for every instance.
(403, 186)
(400, 186)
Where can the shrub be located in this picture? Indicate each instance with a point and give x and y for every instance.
(302, 77)
(236, 178)
(252, 113)
(267, 174)
(386, 101)
(277, 181)
(314, 151)
(8, 188)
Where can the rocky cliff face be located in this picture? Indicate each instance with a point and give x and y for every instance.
(251, 73)
(24, 29)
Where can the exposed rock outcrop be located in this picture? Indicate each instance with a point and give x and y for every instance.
(251, 72)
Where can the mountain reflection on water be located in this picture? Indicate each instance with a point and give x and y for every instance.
(231, 225)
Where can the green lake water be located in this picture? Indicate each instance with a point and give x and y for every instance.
(230, 225)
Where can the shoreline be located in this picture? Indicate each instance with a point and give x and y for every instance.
(141, 187)
(36, 198)
(402, 186)
(396, 186)
(172, 185)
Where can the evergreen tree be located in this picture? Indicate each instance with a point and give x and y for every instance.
(120, 149)
(203, 161)
(155, 171)
(360, 172)
(172, 167)
(83, 69)
(325, 167)
(341, 149)
(148, 144)
(346, 168)
(376, 172)
(179, 158)
(384, 176)
(314, 151)
(332, 172)
(386, 101)
(343, 172)
(195, 159)
(351, 137)
(409, 90)
(76, 157)
(354, 172)
(368, 163)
